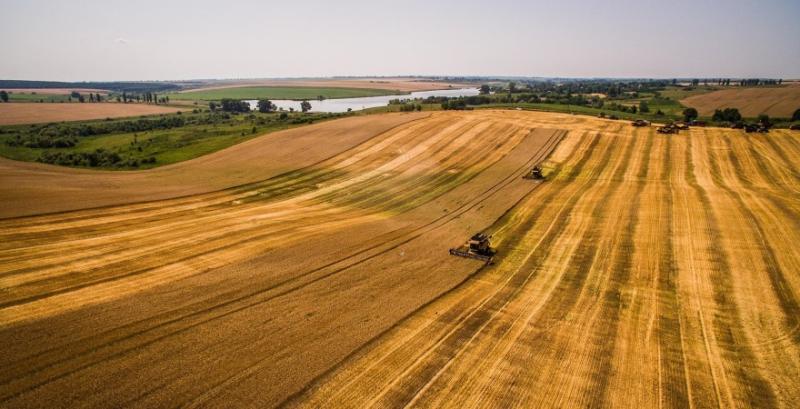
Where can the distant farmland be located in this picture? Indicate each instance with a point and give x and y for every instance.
(29, 113)
(773, 101)
(280, 93)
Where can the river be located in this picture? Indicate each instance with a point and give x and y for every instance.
(355, 104)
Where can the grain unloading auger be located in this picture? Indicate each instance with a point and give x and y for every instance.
(477, 247)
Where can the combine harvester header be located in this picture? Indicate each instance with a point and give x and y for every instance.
(477, 247)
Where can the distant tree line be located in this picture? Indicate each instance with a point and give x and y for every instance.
(98, 158)
(134, 87)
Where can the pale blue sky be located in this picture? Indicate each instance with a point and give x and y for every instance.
(150, 40)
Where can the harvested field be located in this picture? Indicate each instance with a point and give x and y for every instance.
(774, 101)
(31, 113)
(395, 84)
(647, 271)
(32, 188)
(273, 92)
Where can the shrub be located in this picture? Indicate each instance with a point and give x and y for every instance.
(727, 115)
(690, 114)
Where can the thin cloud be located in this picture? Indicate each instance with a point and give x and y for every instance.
(121, 41)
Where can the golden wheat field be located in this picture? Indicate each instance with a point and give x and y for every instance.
(646, 270)
(774, 101)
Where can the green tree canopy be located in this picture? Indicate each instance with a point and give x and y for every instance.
(727, 114)
(690, 114)
(265, 105)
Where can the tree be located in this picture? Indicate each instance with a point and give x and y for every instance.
(211, 105)
(643, 107)
(512, 87)
(4, 97)
(98, 98)
(124, 97)
(81, 99)
(796, 115)
(485, 89)
(763, 119)
(727, 115)
(91, 97)
(155, 98)
(690, 114)
(265, 106)
(234, 105)
(305, 106)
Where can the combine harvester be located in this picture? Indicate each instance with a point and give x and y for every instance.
(667, 129)
(478, 247)
(535, 173)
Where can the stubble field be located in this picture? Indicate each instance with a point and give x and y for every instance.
(774, 101)
(32, 113)
(647, 271)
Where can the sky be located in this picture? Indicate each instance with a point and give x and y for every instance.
(110, 40)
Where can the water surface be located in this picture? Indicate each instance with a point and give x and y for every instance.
(342, 104)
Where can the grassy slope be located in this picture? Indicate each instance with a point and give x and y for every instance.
(280, 93)
(166, 145)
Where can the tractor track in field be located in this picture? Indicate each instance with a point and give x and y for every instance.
(647, 270)
(359, 257)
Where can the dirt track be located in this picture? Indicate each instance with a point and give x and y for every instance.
(648, 271)
(14, 113)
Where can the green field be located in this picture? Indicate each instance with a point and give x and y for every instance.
(575, 109)
(679, 93)
(296, 93)
(199, 134)
(29, 97)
